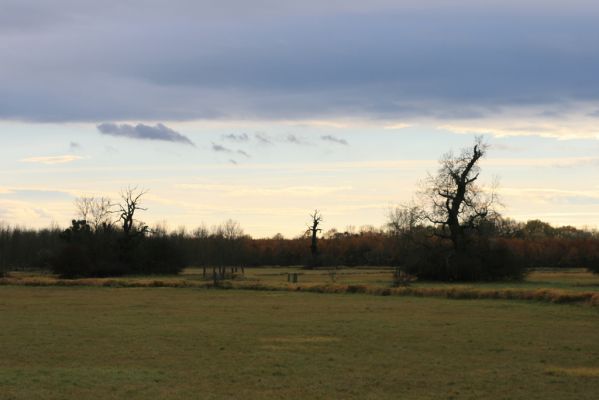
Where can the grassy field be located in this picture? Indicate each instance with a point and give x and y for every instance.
(181, 343)
(571, 279)
(556, 286)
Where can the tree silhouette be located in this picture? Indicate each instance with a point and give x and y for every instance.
(96, 211)
(313, 229)
(455, 203)
(126, 209)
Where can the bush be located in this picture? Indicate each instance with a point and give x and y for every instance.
(159, 255)
(484, 260)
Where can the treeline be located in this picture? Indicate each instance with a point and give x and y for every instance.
(452, 233)
(82, 250)
(23, 248)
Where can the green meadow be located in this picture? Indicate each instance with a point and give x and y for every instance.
(195, 343)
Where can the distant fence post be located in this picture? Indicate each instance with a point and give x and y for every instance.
(292, 277)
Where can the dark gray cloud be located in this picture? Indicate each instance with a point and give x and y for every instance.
(236, 137)
(269, 59)
(220, 148)
(333, 139)
(243, 153)
(141, 131)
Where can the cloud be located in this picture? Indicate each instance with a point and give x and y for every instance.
(145, 132)
(402, 61)
(243, 153)
(111, 150)
(49, 160)
(46, 195)
(242, 137)
(236, 190)
(397, 126)
(220, 148)
(333, 139)
(74, 146)
(293, 139)
(232, 161)
(262, 138)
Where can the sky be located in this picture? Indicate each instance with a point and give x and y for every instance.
(262, 111)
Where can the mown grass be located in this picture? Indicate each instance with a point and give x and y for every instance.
(141, 343)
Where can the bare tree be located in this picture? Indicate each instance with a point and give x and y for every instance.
(456, 204)
(96, 211)
(126, 209)
(313, 229)
(228, 246)
(231, 230)
(403, 219)
(83, 205)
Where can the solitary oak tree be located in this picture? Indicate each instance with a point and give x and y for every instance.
(455, 203)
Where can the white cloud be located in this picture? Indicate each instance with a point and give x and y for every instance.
(397, 126)
(50, 160)
(574, 122)
(244, 191)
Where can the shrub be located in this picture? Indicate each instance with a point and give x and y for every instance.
(159, 255)
(484, 260)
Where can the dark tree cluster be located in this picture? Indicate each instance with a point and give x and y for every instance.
(98, 244)
(22, 248)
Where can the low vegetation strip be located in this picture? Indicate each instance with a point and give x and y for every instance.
(102, 282)
(545, 295)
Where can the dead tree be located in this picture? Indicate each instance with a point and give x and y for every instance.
(313, 229)
(456, 204)
(126, 209)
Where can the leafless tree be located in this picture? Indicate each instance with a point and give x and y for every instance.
(126, 209)
(96, 211)
(83, 205)
(228, 245)
(404, 219)
(231, 230)
(455, 203)
(201, 232)
(313, 229)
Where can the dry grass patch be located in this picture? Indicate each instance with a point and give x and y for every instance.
(585, 372)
